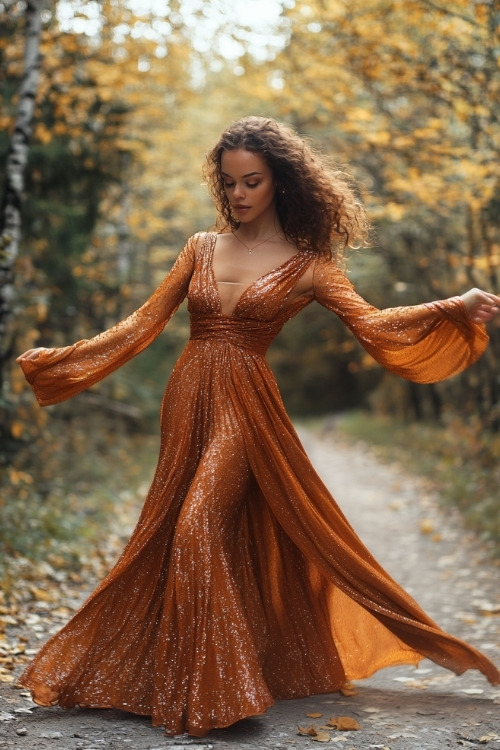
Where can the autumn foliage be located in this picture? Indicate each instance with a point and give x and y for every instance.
(405, 93)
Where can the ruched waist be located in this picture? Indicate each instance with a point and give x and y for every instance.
(254, 335)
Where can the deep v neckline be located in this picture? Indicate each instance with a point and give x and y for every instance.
(244, 293)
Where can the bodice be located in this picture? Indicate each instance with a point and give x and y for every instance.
(261, 311)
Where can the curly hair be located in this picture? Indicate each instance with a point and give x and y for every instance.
(316, 203)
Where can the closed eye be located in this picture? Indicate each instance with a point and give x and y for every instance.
(247, 184)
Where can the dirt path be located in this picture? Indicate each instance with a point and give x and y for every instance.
(398, 709)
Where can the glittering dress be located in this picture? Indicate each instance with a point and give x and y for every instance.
(242, 582)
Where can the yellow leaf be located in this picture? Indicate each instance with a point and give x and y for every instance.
(426, 526)
(314, 716)
(309, 731)
(349, 689)
(321, 737)
(41, 594)
(17, 429)
(343, 723)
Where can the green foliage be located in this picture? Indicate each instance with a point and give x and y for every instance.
(319, 366)
(461, 459)
(78, 484)
(113, 192)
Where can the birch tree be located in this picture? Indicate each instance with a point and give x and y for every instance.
(10, 215)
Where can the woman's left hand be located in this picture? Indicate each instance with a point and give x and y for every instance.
(481, 306)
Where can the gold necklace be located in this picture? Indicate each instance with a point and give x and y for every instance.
(251, 249)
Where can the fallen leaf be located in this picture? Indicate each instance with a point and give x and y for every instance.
(343, 723)
(321, 737)
(426, 526)
(41, 594)
(487, 608)
(314, 716)
(310, 730)
(349, 689)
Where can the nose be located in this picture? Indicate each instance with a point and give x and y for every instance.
(239, 190)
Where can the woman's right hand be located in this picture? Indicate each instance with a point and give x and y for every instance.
(33, 353)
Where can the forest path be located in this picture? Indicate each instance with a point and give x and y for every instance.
(402, 708)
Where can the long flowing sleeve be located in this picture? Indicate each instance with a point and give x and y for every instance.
(59, 374)
(424, 343)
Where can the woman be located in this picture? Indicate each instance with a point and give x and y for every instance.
(243, 582)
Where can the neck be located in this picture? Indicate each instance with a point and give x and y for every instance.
(260, 228)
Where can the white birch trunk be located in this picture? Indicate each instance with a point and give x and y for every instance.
(10, 215)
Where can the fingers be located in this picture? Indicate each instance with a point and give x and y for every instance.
(482, 306)
(489, 298)
(484, 311)
(32, 353)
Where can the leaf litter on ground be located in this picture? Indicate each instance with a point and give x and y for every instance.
(322, 734)
(38, 598)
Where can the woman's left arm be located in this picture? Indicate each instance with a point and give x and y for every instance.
(424, 343)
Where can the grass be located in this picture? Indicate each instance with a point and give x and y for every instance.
(460, 458)
(77, 505)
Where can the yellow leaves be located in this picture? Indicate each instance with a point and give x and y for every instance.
(339, 723)
(394, 211)
(378, 137)
(71, 43)
(344, 723)
(42, 595)
(403, 142)
(491, 737)
(42, 134)
(426, 526)
(17, 429)
(390, 80)
(130, 144)
(361, 114)
(59, 128)
(311, 731)
(349, 689)
(19, 477)
(106, 75)
(488, 609)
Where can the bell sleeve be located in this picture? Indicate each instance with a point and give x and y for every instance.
(59, 374)
(424, 343)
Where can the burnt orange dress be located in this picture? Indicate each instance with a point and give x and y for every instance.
(243, 582)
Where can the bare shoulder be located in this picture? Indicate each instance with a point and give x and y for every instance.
(224, 240)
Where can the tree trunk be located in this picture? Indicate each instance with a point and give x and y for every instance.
(17, 156)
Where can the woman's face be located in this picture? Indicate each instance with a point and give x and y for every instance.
(249, 184)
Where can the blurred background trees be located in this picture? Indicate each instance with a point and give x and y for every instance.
(132, 95)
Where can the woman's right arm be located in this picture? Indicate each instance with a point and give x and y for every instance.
(58, 374)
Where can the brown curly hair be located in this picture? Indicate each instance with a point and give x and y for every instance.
(316, 203)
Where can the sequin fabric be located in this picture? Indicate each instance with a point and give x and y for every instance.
(243, 582)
